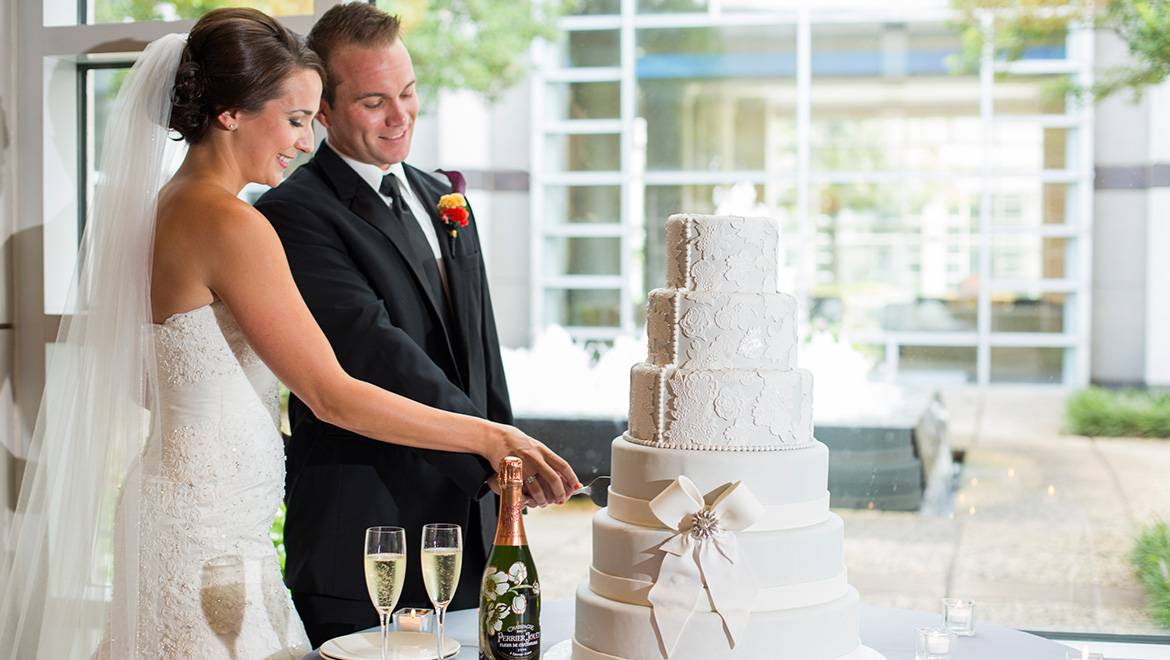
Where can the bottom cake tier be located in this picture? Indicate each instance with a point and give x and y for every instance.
(609, 630)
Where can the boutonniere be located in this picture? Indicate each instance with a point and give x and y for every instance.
(453, 209)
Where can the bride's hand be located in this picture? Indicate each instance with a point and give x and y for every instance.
(548, 478)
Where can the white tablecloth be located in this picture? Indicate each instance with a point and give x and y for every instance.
(889, 631)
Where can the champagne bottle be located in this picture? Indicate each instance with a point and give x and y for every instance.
(509, 596)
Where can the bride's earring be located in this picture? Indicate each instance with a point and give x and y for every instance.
(231, 127)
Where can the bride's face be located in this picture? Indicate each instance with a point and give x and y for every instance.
(271, 138)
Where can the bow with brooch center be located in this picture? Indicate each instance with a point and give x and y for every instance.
(703, 553)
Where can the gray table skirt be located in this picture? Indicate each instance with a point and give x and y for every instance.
(888, 631)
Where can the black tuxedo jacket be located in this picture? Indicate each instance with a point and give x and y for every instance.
(392, 326)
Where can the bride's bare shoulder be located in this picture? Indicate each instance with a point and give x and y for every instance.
(197, 204)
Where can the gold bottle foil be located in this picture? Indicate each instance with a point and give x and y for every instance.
(510, 528)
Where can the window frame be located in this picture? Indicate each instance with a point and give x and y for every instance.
(633, 178)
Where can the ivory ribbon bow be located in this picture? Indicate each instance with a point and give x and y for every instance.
(703, 552)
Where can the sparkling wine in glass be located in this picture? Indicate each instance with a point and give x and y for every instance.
(385, 560)
(442, 559)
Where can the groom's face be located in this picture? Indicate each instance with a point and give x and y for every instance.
(374, 106)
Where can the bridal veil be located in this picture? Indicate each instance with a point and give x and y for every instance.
(100, 390)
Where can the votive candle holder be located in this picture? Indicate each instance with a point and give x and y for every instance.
(413, 619)
(1083, 654)
(959, 616)
(934, 644)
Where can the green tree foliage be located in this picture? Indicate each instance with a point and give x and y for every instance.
(118, 11)
(475, 45)
(1144, 26)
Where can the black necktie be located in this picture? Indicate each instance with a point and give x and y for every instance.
(401, 210)
(414, 233)
(398, 205)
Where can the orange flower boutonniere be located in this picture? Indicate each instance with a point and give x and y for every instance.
(453, 212)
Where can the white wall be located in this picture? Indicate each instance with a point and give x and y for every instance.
(510, 125)
(463, 132)
(1131, 280)
(1157, 336)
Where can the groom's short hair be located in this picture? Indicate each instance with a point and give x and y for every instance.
(350, 24)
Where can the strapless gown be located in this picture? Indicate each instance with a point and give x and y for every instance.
(204, 495)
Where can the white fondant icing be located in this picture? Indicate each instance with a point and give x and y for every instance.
(672, 407)
(776, 478)
(634, 592)
(777, 516)
(820, 632)
(780, 557)
(579, 652)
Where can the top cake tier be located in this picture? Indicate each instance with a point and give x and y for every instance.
(722, 253)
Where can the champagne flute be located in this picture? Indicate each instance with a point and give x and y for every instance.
(442, 560)
(223, 599)
(385, 561)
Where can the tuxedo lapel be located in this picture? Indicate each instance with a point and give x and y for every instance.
(462, 285)
(370, 207)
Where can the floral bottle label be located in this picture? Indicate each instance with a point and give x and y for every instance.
(510, 614)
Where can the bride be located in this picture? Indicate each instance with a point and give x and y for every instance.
(157, 460)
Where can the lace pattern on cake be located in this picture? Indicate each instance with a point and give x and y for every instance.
(708, 330)
(713, 253)
(721, 409)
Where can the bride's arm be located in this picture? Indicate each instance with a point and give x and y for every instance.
(248, 270)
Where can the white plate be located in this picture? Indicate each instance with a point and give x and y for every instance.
(403, 646)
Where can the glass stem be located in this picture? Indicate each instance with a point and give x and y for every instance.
(385, 620)
(442, 610)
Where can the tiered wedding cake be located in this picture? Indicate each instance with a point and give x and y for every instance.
(718, 541)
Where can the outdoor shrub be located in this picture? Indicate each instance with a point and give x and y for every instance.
(277, 536)
(1151, 562)
(1112, 413)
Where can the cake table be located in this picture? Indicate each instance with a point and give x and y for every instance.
(888, 631)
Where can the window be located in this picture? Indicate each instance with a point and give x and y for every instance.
(900, 193)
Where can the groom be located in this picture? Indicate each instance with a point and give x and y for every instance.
(405, 305)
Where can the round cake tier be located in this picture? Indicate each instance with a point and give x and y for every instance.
(722, 253)
(828, 631)
(705, 330)
(722, 409)
(792, 567)
(783, 478)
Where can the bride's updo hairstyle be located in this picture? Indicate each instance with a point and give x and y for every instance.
(236, 59)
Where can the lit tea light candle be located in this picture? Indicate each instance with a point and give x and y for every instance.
(1083, 654)
(934, 644)
(959, 615)
(412, 619)
(938, 643)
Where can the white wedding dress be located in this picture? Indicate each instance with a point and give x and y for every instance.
(205, 493)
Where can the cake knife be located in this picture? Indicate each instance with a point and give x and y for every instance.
(597, 490)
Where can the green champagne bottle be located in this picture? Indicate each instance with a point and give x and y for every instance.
(509, 596)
